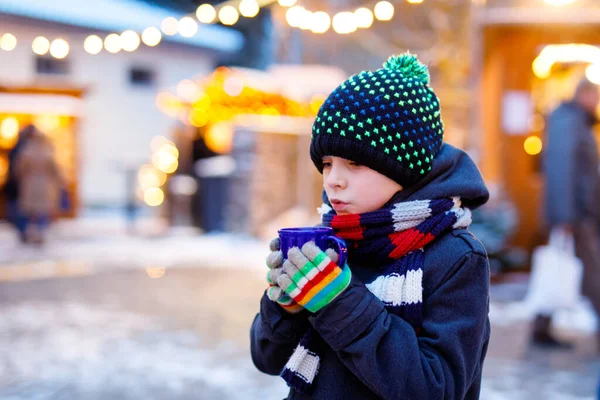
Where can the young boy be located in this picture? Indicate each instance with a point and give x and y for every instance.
(407, 316)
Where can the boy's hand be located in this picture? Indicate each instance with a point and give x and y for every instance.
(312, 277)
(274, 292)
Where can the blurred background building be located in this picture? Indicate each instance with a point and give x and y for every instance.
(195, 117)
(187, 107)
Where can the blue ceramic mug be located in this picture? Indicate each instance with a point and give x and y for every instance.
(322, 236)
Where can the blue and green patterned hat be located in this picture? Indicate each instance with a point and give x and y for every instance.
(388, 120)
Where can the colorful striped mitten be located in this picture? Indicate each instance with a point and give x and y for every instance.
(274, 292)
(312, 278)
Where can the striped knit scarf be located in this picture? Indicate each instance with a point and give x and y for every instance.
(393, 236)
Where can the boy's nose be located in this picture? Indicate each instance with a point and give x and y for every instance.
(335, 178)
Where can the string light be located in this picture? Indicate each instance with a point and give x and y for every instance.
(294, 16)
(297, 16)
(40, 45)
(363, 17)
(93, 44)
(59, 48)
(151, 36)
(306, 20)
(112, 43)
(249, 8)
(130, 41)
(206, 13)
(169, 26)
(344, 22)
(187, 27)
(228, 15)
(8, 42)
(384, 11)
(321, 22)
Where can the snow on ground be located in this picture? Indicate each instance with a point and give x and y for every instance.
(70, 350)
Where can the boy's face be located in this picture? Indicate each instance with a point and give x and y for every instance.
(354, 189)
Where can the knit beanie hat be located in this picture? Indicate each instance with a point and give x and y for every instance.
(388, 120)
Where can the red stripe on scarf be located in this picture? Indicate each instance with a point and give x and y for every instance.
(315, 281)
(409, 240)
(348, 226)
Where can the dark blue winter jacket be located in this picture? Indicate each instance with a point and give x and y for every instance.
(372, 354)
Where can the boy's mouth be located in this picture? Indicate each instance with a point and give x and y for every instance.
(338, 205)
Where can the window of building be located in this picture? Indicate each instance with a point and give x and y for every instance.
(52, 66)
(142, 76)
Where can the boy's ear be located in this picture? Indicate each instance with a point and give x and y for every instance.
(324, 198)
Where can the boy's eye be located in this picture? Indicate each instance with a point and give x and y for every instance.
(354, 164)
(326, 164)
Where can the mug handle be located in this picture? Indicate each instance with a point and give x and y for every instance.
(340, 246)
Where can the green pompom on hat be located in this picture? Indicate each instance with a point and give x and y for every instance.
(388, 120)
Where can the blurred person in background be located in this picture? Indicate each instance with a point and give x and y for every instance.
(570, 164)
(13, 213)
(40, 185)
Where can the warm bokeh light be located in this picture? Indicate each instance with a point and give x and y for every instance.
(8, 42)
(384, 11)
(149, 177)
(198, 117)
(169, 104)
(169, 26)
(47, 123)
(202, 102)
(593, 73)
(564, 53)
(249, 8)
(364, 17)
(156, 272)
(112, 43)
(165, 159)
(306, 20)
(188, 90)
(219, 138)
(169, 148)
(59, 48)
(93, 44)
(130, 40)
(151, 36)
(294, 16)
(228, 15)
(9, 128)
(165, 162)
(154, 196)
(187, 27)
(233, 86)
(415, 1)
(40, 45)
(320, 22)
(286, 3)
(344, 22)
(533, 145)
(206, 13)
(158, 142)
